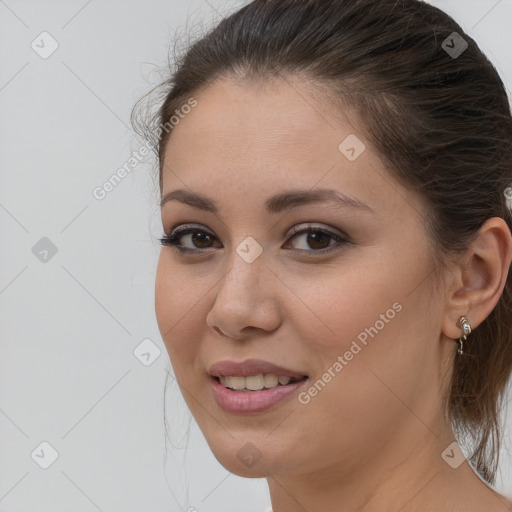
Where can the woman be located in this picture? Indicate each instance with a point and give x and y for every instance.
(333, 288)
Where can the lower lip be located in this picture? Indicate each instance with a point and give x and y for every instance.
(239, 402)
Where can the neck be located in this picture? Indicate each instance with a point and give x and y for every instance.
(408, 474)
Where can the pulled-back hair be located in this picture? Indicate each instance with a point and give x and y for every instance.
(441, 124)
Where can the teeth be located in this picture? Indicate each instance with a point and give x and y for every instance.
(254, 382)
(271, 380)
(237, 383)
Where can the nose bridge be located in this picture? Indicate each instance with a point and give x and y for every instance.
(247, 265)
(243, 297)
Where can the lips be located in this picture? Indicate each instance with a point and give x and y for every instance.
(251, 367)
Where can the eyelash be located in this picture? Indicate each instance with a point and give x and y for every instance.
(173, 240)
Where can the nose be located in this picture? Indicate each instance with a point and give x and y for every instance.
(246, 301)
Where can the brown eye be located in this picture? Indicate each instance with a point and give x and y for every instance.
(200, 239)
(197, 238)
(318, 240)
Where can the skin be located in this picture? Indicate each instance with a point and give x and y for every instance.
(372, 438)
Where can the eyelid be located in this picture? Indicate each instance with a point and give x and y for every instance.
(311, 225)
(183, 227)
(293, 231)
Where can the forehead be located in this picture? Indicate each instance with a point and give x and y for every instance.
(262, 136)
(237, 119)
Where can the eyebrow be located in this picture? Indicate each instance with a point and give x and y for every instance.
(275, 204)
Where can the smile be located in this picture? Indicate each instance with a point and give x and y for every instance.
(245, 400)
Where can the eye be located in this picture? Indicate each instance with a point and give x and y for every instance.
(314, 237)
(199, 237)
(318, 239)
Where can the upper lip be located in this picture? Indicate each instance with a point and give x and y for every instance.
(251, 367)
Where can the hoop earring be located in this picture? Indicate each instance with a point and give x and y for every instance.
(466, 331)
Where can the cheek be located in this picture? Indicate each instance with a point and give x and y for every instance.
(178, 311)
(368, 322)
(166, 297)
(357, 321)
(341, 304)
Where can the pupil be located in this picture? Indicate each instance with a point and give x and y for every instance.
(200, 235)
(317, 237)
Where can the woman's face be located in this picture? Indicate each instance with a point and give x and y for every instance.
(357, 316)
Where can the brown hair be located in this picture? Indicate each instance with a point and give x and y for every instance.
(441, 124)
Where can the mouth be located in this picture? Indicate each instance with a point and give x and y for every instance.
(255, 383)
(253, 386)
(253, 375)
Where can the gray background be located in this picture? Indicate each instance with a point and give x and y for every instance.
(70, 321)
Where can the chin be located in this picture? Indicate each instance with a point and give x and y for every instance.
(234, 465)
(242, 457)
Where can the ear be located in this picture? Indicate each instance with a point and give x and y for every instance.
(479, 277)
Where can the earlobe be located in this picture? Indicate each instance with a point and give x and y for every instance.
(480, 278)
